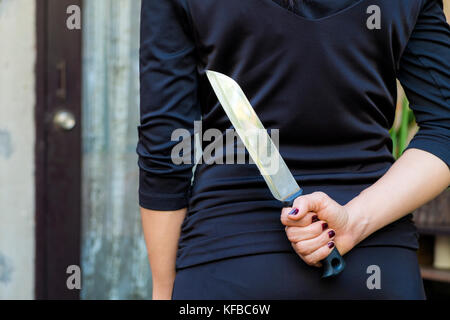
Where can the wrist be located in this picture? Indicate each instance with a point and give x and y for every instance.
(162, 293)
(162, 290)
(359, 221)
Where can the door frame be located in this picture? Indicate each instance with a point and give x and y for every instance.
(57, 152)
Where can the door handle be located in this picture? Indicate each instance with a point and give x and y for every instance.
(64, 120)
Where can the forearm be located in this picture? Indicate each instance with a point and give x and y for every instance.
(414, 179)
(161, 233)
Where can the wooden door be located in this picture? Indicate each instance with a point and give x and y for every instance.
(58, 149)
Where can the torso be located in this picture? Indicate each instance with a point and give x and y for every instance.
(328, 83)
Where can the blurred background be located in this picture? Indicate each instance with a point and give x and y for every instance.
(68, 174)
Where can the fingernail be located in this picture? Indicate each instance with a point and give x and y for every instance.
(324, 226)
(315, 219)
(331, 233)
(331, 244)
(293, 212)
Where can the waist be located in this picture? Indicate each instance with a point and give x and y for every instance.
(239, 217)
(220, 185)
(220, 241)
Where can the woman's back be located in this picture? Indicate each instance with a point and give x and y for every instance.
(325, 79)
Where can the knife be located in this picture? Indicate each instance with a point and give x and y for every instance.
(263, 152)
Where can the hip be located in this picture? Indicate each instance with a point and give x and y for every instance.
(377, 272)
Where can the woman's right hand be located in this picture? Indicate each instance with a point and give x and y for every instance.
(316, 225)
(310, 238)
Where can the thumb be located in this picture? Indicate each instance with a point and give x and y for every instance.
(314, 202)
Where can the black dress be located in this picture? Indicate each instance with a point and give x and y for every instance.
(323, 73)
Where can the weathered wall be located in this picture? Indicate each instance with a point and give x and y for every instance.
(114, 258)
(17, 134)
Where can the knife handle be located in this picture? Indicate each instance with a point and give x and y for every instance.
(333, 264)
(289, 202)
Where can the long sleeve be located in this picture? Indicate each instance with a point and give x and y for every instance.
(168, 101)
(424, 72)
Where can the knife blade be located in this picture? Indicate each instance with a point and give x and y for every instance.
(263, 151)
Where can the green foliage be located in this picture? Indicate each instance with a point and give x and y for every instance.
(404, 128)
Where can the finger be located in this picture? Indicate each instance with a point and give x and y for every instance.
(291, 212)
(308, 203)
(307, 247)
(318, 264)
(318, 255)
(313, 230)
(310, 217)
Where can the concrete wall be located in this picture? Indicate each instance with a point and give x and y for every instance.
(17, 140)
(114, 257)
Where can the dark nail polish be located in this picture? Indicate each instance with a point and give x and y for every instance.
(293, 212)
(331, 233)
(331, 244)
(324, 226)
(315, 219)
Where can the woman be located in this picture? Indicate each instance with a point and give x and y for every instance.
(324, 73)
